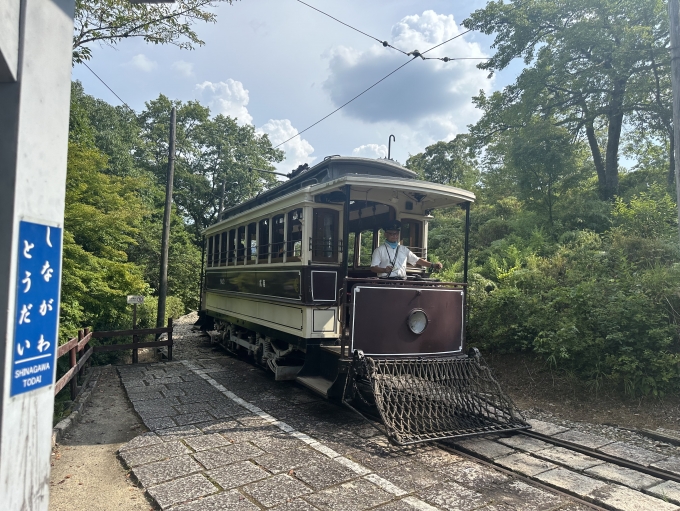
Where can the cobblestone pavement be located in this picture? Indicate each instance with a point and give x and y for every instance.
(225, 436)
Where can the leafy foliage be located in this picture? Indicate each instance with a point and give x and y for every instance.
(210, 153)
(115, 199)
(100, 223)
(110, 21)
(593, 66)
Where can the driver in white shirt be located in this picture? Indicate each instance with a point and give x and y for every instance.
(390, 258)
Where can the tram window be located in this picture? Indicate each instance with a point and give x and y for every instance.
(278, 237)
(366, 248)
(232, 247)
(263, 249)
(210, 251)
(412, 235)
(241, 244)
(251, 256)
(223, 249)
(325, 235)
(294, 252)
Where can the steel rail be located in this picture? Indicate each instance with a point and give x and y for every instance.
(594, 453)
(532, 482)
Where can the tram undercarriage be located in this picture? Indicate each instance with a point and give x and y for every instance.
(411, 400)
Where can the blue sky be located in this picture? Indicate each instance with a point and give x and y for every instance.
(281, 66)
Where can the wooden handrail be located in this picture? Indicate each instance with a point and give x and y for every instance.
(125, 333)
(79, 343)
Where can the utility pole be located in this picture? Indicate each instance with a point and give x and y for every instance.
(163, 287)
(224, 186)
(674, 22)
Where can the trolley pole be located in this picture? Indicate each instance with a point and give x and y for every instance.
(674, 22)
(35, 87)
(163, 287)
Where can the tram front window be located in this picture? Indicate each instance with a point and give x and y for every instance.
(325, 235)
(366, 248)
(412, 236)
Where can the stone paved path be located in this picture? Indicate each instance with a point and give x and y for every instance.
(225, 436)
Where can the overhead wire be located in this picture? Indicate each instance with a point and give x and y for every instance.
(414, 54)
(345, 104)
(106, 85)
(384, 43)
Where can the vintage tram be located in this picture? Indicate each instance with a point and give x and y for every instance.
(288, 280)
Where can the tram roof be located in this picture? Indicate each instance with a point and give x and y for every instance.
(362, 174)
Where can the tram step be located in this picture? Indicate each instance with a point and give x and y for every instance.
(316, 383)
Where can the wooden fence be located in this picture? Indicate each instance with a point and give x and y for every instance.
(74, 346)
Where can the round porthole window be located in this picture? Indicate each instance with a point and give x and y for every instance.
(417, 321)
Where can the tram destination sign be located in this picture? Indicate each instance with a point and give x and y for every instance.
(135, 299)
(37, 307)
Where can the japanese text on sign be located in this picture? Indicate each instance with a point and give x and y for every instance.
(37, 307)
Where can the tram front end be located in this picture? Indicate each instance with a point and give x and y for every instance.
(410, 368)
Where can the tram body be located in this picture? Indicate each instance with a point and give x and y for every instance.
(288, 280)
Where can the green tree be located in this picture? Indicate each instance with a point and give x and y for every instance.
(543, 161)
(101, 221)
(210, 152)
(110, 21)
(590, 66)
(449, 163)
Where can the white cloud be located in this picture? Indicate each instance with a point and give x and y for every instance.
(143, 63)
(430, 95)
(370, 151)
(227, 98)
(183, 67)
(298, 150)
(231, 98)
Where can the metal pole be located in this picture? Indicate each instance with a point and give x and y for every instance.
(674, 22)
(135, 351)
(467, 242)
(345, 263)
(466, 315)
(200, 286)
(163, 287)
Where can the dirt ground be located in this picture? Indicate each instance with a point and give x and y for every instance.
(537, 389)
(86, 473)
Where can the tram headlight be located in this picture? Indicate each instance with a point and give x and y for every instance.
(417, 321)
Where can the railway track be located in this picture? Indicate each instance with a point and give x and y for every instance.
(585, 474)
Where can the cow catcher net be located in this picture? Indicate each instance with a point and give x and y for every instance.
(425, 399)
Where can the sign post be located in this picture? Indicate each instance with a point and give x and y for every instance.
(35, 86)
(134, 300)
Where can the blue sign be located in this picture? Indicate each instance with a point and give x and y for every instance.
(37, 307)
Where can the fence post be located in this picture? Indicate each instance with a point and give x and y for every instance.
(170, 339)
(81, 373)
(72, 363)
(135, 351)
